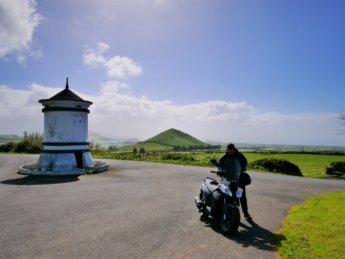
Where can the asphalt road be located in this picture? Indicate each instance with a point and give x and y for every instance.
(137, 210)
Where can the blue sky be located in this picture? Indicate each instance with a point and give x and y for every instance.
(258, 71)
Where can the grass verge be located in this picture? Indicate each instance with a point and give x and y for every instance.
(315, 229)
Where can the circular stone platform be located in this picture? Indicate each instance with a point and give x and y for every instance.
(32, 169)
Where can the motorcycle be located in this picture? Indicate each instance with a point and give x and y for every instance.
(221, 199)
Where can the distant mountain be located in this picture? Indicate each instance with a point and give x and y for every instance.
(9, 138)
(98, 138)
(167, 140)
(108, 141)
(173, 138)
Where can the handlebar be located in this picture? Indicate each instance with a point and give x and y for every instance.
(219, 173)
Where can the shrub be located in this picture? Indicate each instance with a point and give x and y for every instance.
(336, 169)
(8, 147)
(277, 166)
(178, 156)
(25, 146)
(21, 146)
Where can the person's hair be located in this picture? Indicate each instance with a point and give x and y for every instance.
(231, 146)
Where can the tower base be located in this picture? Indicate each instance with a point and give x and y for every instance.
(60, 164)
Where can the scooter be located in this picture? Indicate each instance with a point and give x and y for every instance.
(221, 199)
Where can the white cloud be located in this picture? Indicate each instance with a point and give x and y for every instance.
(94, 58)
(120, 67)
(117, 112)
(116, 67)
(20, 110)
(18, 20)
(114, 86)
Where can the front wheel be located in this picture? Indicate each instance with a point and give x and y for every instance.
(230, 222)
(202, 206)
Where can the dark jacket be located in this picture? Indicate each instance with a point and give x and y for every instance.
(237, 155)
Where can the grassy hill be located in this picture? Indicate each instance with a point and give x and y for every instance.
(9, 138)
(166, 140)
(174, 137)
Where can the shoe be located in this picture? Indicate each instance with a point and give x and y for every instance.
(247, 216)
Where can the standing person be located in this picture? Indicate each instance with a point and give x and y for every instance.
(232, 152)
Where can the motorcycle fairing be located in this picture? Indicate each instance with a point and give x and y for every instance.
(225, 189)
(210, 185)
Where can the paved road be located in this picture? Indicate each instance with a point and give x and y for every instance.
(137, 210)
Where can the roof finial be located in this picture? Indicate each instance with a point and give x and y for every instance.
(67, 86)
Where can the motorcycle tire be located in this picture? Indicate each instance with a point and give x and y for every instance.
(204, 215)
(231, 223)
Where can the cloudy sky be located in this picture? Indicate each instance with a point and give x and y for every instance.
(250, 71)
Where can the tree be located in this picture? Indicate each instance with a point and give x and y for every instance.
(95, 147)
(113, 148)
(135, 151)
(142, 150)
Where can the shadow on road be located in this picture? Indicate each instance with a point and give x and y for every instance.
(251, 235)
(40, 180)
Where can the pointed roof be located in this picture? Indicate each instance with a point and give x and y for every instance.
(66, 94)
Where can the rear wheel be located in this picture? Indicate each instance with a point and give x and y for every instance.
(230, 223)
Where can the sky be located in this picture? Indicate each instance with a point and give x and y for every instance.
(249, 71)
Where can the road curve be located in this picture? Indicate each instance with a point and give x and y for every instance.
(137, 210)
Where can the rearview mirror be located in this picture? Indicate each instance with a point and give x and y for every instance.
(214, 161)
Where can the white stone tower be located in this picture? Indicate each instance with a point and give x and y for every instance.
(65, 142)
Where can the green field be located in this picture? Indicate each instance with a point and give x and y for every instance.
(146, 146)
(311, 165)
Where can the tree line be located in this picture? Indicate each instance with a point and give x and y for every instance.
(197, 148)
(31, 143)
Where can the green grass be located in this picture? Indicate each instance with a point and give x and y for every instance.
(147, 146)
(313, 166)
(315, 229)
